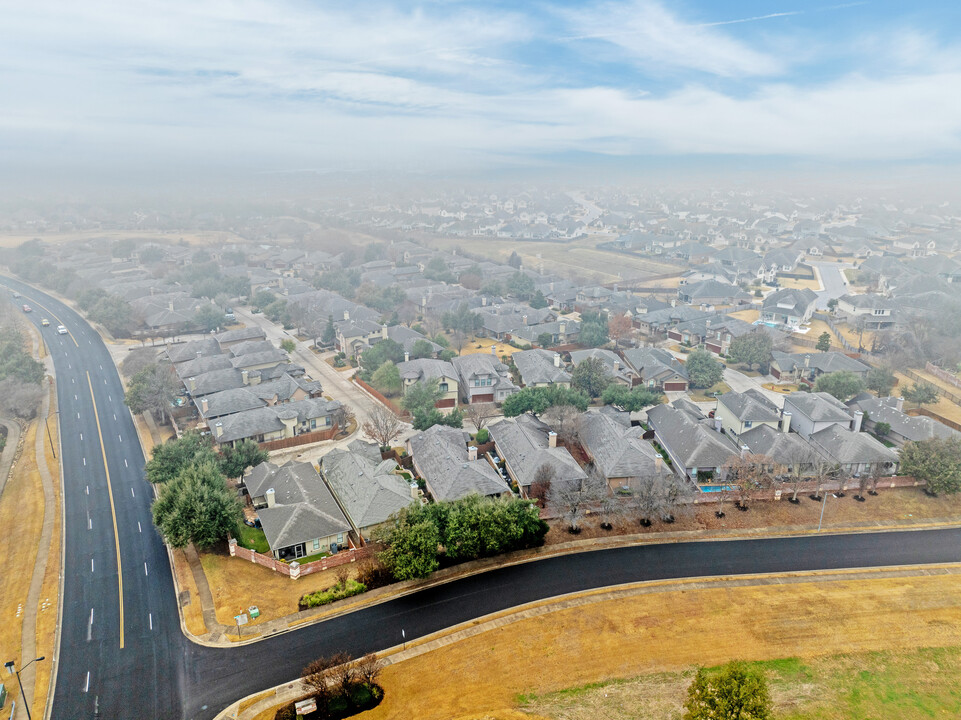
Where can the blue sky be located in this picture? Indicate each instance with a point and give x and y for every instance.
(286, 84)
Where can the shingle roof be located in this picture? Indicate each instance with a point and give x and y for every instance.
(652, 363)
(913, 428)
(440, 453)
(260, 421)
(825, 362)
(751, 405)
(692, 443)
(523, 442)
(367, 490)
(618, 450)
(817, 406)
(786, 448)
(537, 367)
(849, 447)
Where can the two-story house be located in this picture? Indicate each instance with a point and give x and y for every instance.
(483, 378)
(790, 307)
(738, 412)
(430, 370)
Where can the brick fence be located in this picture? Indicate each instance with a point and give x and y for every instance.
(294, 569)
(394, 407)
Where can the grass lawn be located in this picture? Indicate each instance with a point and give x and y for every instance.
(252, 539)
(310, 558)
(703, 395)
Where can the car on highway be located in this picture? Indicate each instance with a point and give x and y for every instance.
(27, 308)
(45, 322)
(61, 329)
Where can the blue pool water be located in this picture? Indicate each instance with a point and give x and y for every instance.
(714, 488)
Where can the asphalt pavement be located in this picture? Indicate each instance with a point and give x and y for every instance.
(833, 280)
(122, 652)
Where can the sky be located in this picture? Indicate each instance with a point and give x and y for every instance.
(189, 86)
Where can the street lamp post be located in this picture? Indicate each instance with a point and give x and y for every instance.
(49, 438)
(11, 668)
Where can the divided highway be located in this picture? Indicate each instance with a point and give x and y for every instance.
(122, 652)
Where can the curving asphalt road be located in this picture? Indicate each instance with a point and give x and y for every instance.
(129, 659)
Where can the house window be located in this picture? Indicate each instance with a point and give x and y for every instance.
(748, 423)
(317, 544)
(313, 423)
(340, 539)
(443, 387)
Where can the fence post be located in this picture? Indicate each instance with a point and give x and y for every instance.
(232, 545)
(294, 570)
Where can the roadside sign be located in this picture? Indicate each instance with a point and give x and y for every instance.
(254, 611)
(305, 706)
(241, 619)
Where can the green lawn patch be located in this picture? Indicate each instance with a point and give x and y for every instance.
(252, 539)
(332, 594)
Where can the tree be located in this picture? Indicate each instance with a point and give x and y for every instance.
(733, 693)
(411, 548)
(881, 380)
(922, 393)
(832, 304)
(169, 459)
(541, 484)
(153, 389)
(565, 420)
(514, 260)
(842, 384)
(480, 414)
(422, 396)
(369, 668)
(317, 678)
(288, 345)
(422, 418)
(197, 507)
(591, 376)
(620, 327)
(538, 300)
(703, 370)
(138, 359)
(384, 351)
(261, 299)
(824, 342)
(630, 399)
(545, 340)
(593, 333)
(537, 399)
(753, 348)
(746, 473)
(234, 460)
(19, 399)
(15, 361)
(421, 349)
(647, 498)
(382, 427)
(571, 499)
(330, 332)
(608, 507)
(114, 313)
(882, 428)
(387, 378)
(936, 462)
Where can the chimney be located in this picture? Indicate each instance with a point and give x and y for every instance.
(170, 305)
(245, 376)
(557, 360)
(472, 452)
(423, 301)
(203, 406)
(785, 422)
(413, 490)
(807, 361)
(484, 301)
(900, 404)
(856, 422)
(552, 439)
(191, 384)
(220, 429)
(406, 356)
(658, 463)
(718, 424)
(383, 332)
(745, 450)
(270, 497)
(524, 319)
(617, 364)
(494, 350)
(562, 329)
(199, 354)
(346, 314)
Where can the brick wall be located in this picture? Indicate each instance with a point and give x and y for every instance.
(296, 570)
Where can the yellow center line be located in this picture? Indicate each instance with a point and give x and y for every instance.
(59, 321)
(113, 511)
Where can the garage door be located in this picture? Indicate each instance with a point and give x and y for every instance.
(445, 403)
(675, 386)
(482, 398)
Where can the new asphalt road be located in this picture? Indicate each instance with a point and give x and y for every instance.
(122, 653)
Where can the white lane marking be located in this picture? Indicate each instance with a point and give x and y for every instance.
(101, 367)
(88, 489)
(150, 618)
(86, 685)
(81, 436)
(120, 437)
(91, 565)
(85, 462)
(89, 342)
(145, 569)
(109, 398)
(69, 366)
(73, 380)
(78, 416)
(139, 529)
(115, 416)
(75, 397)
(89, 524)
(125, 463)
(131, 493)
(105, 381)
(90, 626)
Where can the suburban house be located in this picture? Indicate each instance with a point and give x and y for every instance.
(618, 450)
(278, 422)
(806, 367)
(814, 411)
(451, 469)
(878, 311)
(229, 338)
(541, 368)
(525, 444)
(297, 511)
(904, 427)
(657, 369)
(790, 307)
(621, 373)
(784, 447)
(483, 378)
(855, 452)
(660, 321)
(716, 332)
(428, 370)
(367, 489)
(712, 292)
(284, 389)
(696, 451)
(562, 331)
(738, 412)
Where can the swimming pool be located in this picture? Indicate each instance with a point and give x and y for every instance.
(714, 488)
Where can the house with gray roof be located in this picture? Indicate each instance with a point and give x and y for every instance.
(657, 369)
(284, 389)
(620, 371)
(277, 422)
(482, 378)
(193, 349)
(450, 469)
(229, 338)
(541, 368)
(525, 443)
(696, 451)
(430, 370)
(786, 448)
(904, 427)
(790, 307)
(618, 450)
(712, 292)
(814, 411)
(737, 412)
(368, 491)
(878, 311)
(796, 367)
(855, 452)
(297, 511)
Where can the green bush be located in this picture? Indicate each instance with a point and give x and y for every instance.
(482, 436)
(332, 594)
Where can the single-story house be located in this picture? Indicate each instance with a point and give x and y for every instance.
(855, 452)
(525, 443)
(791, 307)
(618, 450)
(541, 368)
(795, 367)
(451, 469)
(657, 369)
(696, 451)
(903, 427)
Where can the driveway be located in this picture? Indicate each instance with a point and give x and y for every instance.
(833, 281)
(740, 382)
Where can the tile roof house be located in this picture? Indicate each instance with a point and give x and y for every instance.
(657, 368)
(617, 450)
(483, 378)
(738, 412)
(620, 371)
(366, 488)
(297, 511)
(541, 368)
(525, 443)
(790, 306)
(449, 468)
(692, 446)
(814, 411)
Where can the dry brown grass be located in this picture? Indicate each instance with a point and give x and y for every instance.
(944, 407)
(749, 315)
(482, 346)
(192, 611)
(21, 514)
(212, 237)
(237, 584)
(799, 284)
(669, 631)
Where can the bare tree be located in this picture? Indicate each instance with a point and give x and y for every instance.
(344, 675)
(672, 497)
(347, 415)
(541, 485)
(800, 461)
(646, 502)
(746, 474)
(369, 668)
(20, 399)
(824, 471)
(480, 414)
(318, 679)
(571, 499)
(383, 427)
(565, 420)
(608, 507)
(138, 359)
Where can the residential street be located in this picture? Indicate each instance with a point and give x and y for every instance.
(832, 280)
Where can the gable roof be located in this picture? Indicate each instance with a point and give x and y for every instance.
(537, 367)
(849, 447)
(440, 454)
(618, 450)
(817, 406)
(523, 442)
(751, 405)
(652, 363)
(794, 301)
(691, 442)
(825, 362)
(367, 490)
(911, 427)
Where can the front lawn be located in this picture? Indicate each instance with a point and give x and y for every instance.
(709, 393)
(252, 539)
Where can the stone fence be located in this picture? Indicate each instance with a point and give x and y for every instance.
(294, 569)
(942, 374)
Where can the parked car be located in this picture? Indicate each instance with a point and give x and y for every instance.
(45, 322)
(27, 308)
(61, 329)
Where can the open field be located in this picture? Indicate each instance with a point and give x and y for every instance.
(483, 346)
(210, 237)
(796, 284)
(674, 628)
(887, 685)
